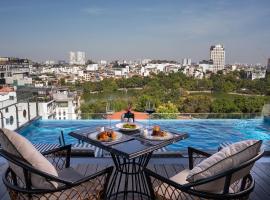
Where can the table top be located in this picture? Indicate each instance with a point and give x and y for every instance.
(130, 145)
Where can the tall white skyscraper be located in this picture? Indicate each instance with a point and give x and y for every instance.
(186, 62)
(81, 58)
(72, 58)
(77, 58)
(217, 54)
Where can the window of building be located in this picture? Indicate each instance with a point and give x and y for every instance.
(11, 97)
(24, 113)
(11, 120)
(6, 110)
(64, 113)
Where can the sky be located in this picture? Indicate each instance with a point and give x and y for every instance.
(135, 29)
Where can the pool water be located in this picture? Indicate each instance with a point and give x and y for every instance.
(204, 134)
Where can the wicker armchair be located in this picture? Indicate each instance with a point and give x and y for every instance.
(167, 189)
(71, 184)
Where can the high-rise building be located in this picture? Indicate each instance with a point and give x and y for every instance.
(186, 62)
(217, 54)
(72, 58)
(81, 58)
(268, 65)
(77, 58)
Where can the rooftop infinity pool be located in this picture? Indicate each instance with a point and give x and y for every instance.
(204, 134)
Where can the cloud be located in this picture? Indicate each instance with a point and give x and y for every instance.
(94, 11)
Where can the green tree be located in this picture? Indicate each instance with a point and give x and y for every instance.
(224, 106)
(195, 104)
(167, 111)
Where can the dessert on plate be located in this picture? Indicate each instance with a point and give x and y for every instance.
(158, 132)
(107, 135)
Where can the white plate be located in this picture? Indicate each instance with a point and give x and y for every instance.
(120, 127)
(150, 137)
(94, 136)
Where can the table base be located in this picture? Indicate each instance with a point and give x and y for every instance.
(128, 180)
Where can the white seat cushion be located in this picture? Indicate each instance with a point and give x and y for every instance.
(17, 145)
(227, 158)
(181, 177)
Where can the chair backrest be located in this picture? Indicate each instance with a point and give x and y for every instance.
(21, 154)
(226, 179)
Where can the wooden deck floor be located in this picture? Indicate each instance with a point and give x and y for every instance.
(261, 173)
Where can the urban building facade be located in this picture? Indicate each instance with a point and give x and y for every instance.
(77, 58)
(67, 104)
(15, 71)
(217, 54)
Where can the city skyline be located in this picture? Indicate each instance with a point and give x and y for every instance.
(107, 30)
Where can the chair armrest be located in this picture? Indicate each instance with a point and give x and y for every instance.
(164, 187)
(191, 156)
(59, 157)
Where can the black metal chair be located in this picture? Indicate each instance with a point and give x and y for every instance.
(71, 184)
(129, 115)
(164, 188)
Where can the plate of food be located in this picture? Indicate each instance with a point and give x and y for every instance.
(128, 126)
(106, 136)
(157, 134)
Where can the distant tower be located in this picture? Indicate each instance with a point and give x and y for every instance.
(81, 58)
(186, 62)
(72, 58)
(77, 58)
(217, 54)
(268, 66)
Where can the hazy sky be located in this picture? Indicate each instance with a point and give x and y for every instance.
(125, 29)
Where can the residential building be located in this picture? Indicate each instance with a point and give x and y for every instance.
(47, 109)
(255, 73)
(15, 71)
(92, 67)
(146, 61)
(103, 62)
(217, 54)
(206, 65)
(67, 104)
(49, 62)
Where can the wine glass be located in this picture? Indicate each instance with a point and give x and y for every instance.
(150, 109)
(109, 111)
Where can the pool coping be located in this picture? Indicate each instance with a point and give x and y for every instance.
(28, 123)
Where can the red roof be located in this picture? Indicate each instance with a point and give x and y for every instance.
(137, 115)
(6, 89)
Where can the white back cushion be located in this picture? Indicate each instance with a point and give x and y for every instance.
(227, 158)
(16, 144)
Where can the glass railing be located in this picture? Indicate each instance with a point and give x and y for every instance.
(18, 114)
(155, 116)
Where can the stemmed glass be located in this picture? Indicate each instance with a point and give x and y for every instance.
(150, 109)
(109, 111)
